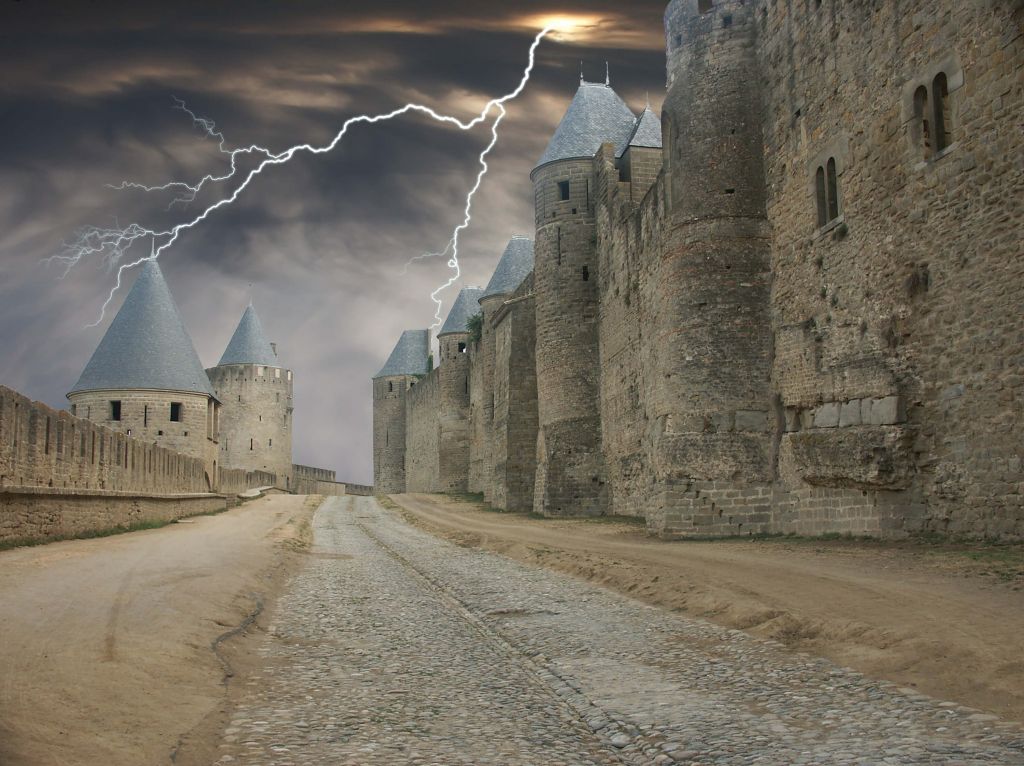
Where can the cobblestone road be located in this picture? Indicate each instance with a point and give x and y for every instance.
(394, 647)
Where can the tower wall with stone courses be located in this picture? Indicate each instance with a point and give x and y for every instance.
(423, 434)
(489, 307)
(453, 412)
(389, 433)
(570, 477)
(709, 402)
(146, 416)
(514, 433)
(898, 322)
(478, 427)
(255, 418)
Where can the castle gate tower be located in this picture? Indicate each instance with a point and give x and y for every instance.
(515, 265)
(256, 392)
(453, 343)
(145, 378)
(710, 393)
(407, 363)
(570, 467)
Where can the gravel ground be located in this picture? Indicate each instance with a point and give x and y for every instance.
(395, 647)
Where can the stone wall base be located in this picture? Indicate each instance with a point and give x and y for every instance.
(35, 514)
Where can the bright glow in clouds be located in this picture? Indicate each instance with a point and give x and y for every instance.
(565, 27)
(112, 244)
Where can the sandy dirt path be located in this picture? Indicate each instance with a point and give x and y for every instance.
(924, 618)
(107, 645)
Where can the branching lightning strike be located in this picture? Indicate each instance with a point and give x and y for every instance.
(112, 244)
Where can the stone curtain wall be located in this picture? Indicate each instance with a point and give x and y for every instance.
(235, 481)
(44, 447)
(389, 435)
(322, 481)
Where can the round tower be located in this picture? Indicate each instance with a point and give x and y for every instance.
(514, 266)
(145, 378)
(710, 393)
(453, 371)
(256, 394)
(408, 362)
(570, 467)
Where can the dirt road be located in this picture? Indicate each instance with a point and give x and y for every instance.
(930, 619)
(106, 646)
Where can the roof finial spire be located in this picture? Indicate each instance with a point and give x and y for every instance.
(607, 74)
(581, 71)
(648, 97)
(250, 295)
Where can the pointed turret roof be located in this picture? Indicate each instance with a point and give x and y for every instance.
(410, 355)
(516, 262)
(465, 306)
(595, 116)
(249, 345)
(146, 346)
(646, 133)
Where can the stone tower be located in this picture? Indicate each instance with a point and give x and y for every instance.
(145, 378)
(570, 467)
(453, 345)
(408, 362)
(256, 392)
(709, 401)
(515, 265)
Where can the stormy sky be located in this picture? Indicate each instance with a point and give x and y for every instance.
(86, 101)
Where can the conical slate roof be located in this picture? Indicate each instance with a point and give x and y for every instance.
(410, 355)
(466, 305)
(595, 116)
(248, 345)
(147, 345)
(646, 133)
(516, 262)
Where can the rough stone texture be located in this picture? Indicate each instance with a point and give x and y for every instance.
(255, 418)
(453, 413)
(393, 646)
(32, 514)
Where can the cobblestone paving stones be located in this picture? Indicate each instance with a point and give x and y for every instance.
(395, 647)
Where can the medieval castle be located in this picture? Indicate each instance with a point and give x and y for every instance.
(791, 304)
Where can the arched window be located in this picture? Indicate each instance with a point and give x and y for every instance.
(940, 110)
(923, 119)
(826, 192)
(391, 385)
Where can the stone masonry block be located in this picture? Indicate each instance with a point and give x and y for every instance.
(887, 411)
(850, 414)
(751, 420)
(827, 415)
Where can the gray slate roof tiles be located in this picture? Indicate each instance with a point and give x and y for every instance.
(249, 345)
(516, 262)
(146, 345)
(646, 133)
(410, 355)
(465, 306)
(596, 115)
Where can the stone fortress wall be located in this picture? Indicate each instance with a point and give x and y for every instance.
(62, 475)
(803, 314)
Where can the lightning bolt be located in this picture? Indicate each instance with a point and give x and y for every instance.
(113, 244)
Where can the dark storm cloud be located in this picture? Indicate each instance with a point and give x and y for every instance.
(86, 102)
